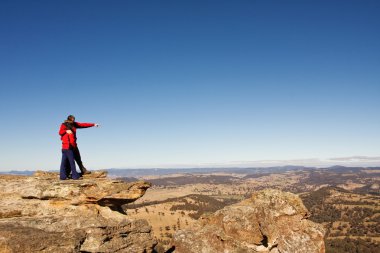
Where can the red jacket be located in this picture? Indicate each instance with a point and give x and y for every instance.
(70, 140)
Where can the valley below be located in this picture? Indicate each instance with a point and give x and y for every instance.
(345, 200)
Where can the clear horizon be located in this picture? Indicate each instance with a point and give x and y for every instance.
(190, 82)
(354, 161)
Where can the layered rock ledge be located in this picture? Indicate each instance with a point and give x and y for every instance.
(270, 221)
(43, 214)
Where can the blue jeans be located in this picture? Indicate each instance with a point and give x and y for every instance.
(78, 159)
(68, 160)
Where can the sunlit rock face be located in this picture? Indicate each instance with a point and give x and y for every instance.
(40, 213)
(270, 221)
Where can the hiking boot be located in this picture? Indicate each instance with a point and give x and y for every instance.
(85, 171)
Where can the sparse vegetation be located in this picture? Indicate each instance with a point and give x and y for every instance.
(357, 219)
(349, 245)
(200, 205)
(343, 199)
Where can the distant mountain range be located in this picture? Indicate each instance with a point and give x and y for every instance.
(18, 172)
(114, 172)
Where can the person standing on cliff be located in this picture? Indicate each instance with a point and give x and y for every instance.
(70, 151)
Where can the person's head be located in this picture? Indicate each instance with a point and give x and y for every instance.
(71, 118)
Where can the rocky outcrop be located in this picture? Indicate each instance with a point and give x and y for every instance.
(270, 221)
(43, 214)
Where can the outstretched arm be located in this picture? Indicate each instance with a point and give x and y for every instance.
(83, 125)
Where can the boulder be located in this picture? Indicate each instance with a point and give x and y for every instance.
(270, 221)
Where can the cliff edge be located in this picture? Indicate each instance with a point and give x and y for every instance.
(42, 214)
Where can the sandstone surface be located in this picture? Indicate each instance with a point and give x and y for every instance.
(270, 221)
(43, 214)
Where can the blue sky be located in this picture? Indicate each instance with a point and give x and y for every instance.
(189, 83)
